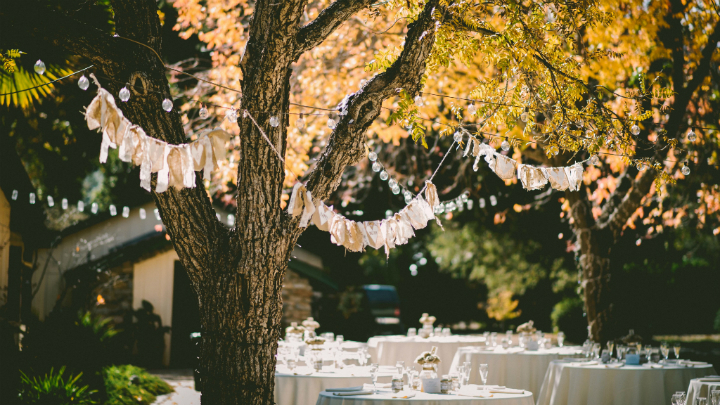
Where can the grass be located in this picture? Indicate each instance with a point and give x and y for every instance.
(131, 385)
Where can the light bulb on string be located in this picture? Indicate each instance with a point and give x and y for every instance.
(113, 210)
(32, 198)
(505, 145)
(419, 101)
(203, 112)
(464, 197)
(300, 122)
(372, 156)
(635, 130)
(408, 199)
(392, 183)
(231, 115)
(167, 105)
(685, 169)
(493, 200)
(124, 94)
(14, 195)
(481, 202)
(594, 160)
(94, 208)
(407, 194)
(691, 137)
(274, 121)
(64, 203)
(143, 213)
(439, 209)
(40, 67)
(81, 206)
(472, 109)
(524, 116)
(450, 206)
(384, 175)
(126, 212)
(51, 201)
(396, 189)
(331, 123)
(376, 167)
(457, 136)
(157, 214)
(83, 83)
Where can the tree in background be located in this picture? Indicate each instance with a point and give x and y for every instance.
(531, 63)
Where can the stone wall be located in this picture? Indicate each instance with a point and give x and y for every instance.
(297, 297)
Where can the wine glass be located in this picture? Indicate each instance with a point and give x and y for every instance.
(701, 401)
(400, 366)
(461, 372)
(715, 397)
(681, 397)
(676, 349)
(339, 339)
(484, 375)
(596, 350)
(560, 339)
(610, 345)
(665, 350)
(467, 368)
(374, 375)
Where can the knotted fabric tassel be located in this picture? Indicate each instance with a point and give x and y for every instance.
(295, 204)
(188, 167)
(163, 178)
(431, 194)
(308, 209)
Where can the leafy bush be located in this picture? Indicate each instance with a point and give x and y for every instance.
(129, 384)
(53, 389)
(567, 316)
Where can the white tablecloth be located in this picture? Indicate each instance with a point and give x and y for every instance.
(515, 367)
(300, 389)
(701, 387)
(421, 398)
(570, 383)
(387, 350)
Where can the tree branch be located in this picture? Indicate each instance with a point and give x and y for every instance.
(314, 33)
(346, 144)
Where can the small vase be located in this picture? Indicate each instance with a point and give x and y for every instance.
(428, 371)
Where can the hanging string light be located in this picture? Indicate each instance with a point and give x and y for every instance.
(203, 112)
(83, 83)
(124, 94)
(231, 115)
(300, 122)
(685, 169)
(167, 105)
(274, 121)
(635, 130)
(505, 145)
(40, 67)
(691, 136)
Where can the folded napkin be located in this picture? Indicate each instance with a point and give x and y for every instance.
(403, 394)
(614, 365)
(359, 388)
(693, 363)
(352, 393)
(478, 394)
(655, 365)
(482, 387)
(505, 391)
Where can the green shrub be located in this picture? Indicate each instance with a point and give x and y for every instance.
(53, 389)
(567, 316)
(129, 384)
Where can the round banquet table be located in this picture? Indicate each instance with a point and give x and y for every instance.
(701, 387)
(383, 397)
(303, 386)
(514, 367)
(593, 384)
(387, 350)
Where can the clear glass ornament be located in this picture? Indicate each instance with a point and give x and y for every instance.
(505, 145)
(14, 195)
(407, 194)
(481, 202)
(464, 197)
(408, 199)
(274, 121)
(635, 130)
(167, 105)
(594, 160)
(524, 116)
(419, 101)
(81, 206)
(64, 203)
(469, 204)
(450, 206)
(300, 122)
(372, 156)
(331, 123)
(384, 175)
(641, 166)
(493, 200)
(204, 112)
(40, 67)
(51, 201)
(392, 183)
(143, 213)
(457, 136)
(472, 109)
(83, 83)
(126, 212)
(94, 208)
(113, 210)
(376, 167)
(685, 169)
(124, 94)
(439, 209)
(32, 198)
(396, 189)
(691, 136)
(231, 114)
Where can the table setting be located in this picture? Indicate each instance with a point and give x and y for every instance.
(707, 387)
(522, 366)
(636, 375)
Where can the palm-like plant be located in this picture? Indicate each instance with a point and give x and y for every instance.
(14, 80)
(53, 389)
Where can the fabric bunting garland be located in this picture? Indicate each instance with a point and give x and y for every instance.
(175, 164)
(355, 236)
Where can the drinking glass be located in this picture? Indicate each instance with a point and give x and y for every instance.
(715, 397)
(400, 367)
(339, 339)
(560, 339)
(438, 332)
(446, 332)
(665, 350)
(493, 339)
(701, 401)
(414, 379)
(621, 352)
(374, 375)
(681, 397)
(412, 332)
(362, 356)
(484, 375)
(676, 349)
(596, 350)
(610, 347)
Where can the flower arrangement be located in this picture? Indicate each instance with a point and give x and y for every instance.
(310, 324)
(294, 329)
(428, 357)
(527, 327)
(315, 341)
(426, 319)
